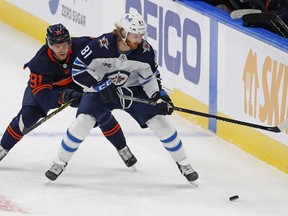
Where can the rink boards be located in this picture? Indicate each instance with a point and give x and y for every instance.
(208, 62)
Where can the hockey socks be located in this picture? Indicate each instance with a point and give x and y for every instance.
(113, 132)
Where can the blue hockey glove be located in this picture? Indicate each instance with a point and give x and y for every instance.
(164, 105)
(69, 94)
(108, 91)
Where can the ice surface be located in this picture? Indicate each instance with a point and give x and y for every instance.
(96, 181)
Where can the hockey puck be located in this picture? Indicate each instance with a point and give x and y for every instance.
(234, 198)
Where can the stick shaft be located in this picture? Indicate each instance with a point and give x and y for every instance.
(180, 109)
(37, 124)
(248, 124)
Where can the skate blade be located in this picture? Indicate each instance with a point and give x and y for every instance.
(193, 183)
(48, 182)
(134, 168)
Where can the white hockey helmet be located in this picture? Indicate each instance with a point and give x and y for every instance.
(132, 23)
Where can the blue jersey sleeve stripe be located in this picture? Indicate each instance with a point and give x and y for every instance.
(78, 62)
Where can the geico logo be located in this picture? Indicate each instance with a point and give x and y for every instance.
(178, 39)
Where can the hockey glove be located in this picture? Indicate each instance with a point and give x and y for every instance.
(164, 105)
(108, 91)
(69, 94)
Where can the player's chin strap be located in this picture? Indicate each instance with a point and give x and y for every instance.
(276, 129)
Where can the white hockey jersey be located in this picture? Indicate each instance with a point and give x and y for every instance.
(101, 60)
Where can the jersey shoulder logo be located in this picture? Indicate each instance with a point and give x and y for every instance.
(103, 42)
(146, 47)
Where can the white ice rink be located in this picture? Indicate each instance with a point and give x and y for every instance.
(97, 182)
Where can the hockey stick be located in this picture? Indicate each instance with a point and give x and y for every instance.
(272, 21)
(282, 23)
(264, 9)
(276, 129)
(237, 14)
(26, 130)
(235, 4)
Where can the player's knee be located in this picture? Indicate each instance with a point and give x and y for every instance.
(81, 126)
(29, 115)
(161, 126)
(75, 134)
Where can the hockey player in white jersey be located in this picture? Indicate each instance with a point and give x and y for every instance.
(121, 62)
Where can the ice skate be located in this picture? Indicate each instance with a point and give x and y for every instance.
(56, 170)
(3, 152)
(187, 171)
(128, 158)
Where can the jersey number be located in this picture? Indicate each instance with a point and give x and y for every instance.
(85, 50)
(35, 80)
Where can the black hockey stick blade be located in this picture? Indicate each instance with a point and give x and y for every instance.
(26, 130)
(278, 19)
(276, 129)
(265, 20)
(237, 14)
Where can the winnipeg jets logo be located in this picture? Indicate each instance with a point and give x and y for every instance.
(103, 42)
(146, 47)
(119, 78)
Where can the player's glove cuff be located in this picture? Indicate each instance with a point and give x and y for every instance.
(69, 94)
(107, 90)
(164, 105)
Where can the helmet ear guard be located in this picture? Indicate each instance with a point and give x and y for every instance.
(57, 34)
(132, 23)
